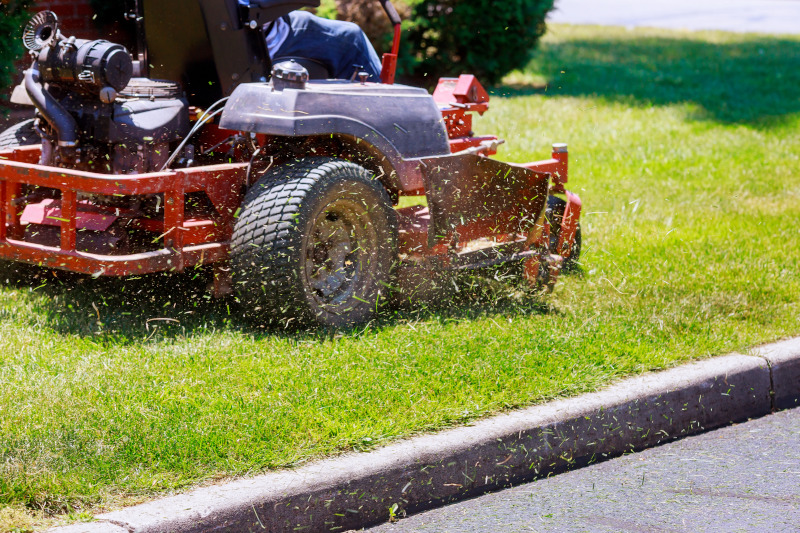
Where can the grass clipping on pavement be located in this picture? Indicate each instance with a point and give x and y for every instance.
(684, 148)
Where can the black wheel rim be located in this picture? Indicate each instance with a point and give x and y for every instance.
(337, 262)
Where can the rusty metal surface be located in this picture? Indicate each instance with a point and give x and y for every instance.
(468, 190)
(569, 225)
(186, 242)
(114, 265)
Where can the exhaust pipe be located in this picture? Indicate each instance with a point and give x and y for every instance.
(53, 112)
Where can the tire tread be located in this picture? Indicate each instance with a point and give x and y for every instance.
(20, 134)
(264, 241)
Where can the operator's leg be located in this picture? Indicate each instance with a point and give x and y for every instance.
(338, 44)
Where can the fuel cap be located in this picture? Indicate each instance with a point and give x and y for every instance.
(289, 75)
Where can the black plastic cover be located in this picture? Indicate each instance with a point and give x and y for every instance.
(208, 45)
(240, 52)
(89, 65)
(161, 120)
(188, 59)
(402, 122)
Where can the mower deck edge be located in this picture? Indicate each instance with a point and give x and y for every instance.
(357, 490)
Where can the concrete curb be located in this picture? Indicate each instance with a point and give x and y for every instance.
(784, 363)
(357, 490)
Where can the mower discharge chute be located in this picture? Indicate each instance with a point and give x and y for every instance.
(201, 152)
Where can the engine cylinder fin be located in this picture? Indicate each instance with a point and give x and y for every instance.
(148, 88)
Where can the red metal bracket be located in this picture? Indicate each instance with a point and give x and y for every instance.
(569, 225)
(465, 90)
(206, 243)
(557, 166)
(389, 60)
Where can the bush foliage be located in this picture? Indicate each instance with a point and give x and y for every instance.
(451, 37)
(14, 15)
(481, 37)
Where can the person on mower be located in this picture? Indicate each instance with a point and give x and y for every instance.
(341, 47)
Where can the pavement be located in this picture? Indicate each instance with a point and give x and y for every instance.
(760, 16)
(360, 490)
(739, 478)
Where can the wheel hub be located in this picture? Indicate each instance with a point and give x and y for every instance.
(333, 262)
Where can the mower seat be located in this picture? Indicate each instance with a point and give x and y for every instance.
(316, 69)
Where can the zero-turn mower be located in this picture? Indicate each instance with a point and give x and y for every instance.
(199, 150)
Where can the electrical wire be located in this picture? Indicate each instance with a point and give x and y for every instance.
(250, 165)
(223, 141)
(204, 118)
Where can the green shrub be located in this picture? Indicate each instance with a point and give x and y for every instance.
(481, 37)
(370, 17)
(14, 15)
(327, 9)
(450, 37)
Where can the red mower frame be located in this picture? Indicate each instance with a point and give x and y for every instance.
(186, 240)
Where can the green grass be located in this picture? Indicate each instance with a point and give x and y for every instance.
(684, 148)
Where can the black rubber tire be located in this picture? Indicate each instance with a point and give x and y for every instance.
(20, 134)
(555, 214)
(296, 224)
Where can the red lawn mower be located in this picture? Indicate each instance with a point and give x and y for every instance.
(200, 151)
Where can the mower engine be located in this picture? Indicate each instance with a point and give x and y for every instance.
(94, 115)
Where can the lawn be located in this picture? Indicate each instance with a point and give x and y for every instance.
(684, 148)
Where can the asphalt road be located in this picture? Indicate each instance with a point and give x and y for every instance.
(762, 16)
(739, 478)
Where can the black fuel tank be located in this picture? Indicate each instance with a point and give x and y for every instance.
(396, 119)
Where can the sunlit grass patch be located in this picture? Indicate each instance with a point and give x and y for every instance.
(17, 519)
(114, 390)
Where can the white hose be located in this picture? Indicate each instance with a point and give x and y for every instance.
(204, 118)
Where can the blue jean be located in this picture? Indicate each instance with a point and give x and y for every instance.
(339, 45)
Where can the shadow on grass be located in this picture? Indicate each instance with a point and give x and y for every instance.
(749, 80)
(175, 306)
